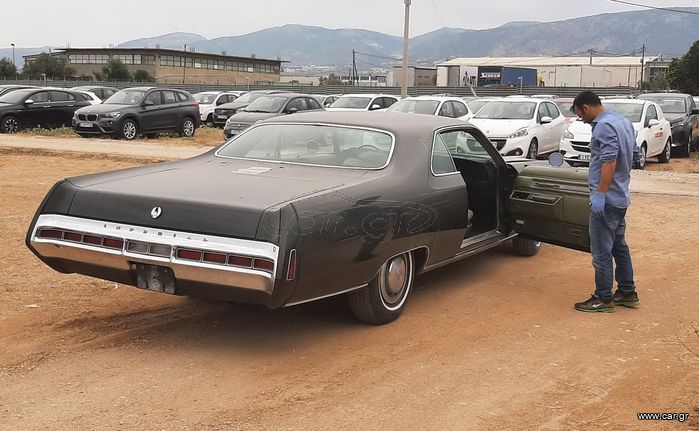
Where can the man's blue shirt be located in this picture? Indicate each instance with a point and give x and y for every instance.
(613, 139)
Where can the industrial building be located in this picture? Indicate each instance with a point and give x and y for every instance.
(173, 66)
(554, 71)
(417, 76)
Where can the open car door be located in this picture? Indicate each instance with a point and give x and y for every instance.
(551, 205)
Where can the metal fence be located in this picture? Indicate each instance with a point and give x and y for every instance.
(343, 89)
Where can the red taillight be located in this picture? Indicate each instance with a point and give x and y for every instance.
(50, 233)
(113, 243)
(72, 236)
(291, 269)
(92, 239)
(264, 264)
(185, 254)
(215, 258)
(242, 261)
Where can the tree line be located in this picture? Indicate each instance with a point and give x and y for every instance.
(55, 67)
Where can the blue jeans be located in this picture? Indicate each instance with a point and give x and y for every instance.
(607, 241)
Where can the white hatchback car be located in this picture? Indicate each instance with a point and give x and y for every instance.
(653, 134)
(209, 100)
(363, 102)
(451, 107)
(521, 127)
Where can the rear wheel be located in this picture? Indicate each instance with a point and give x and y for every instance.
(129, 130)
(9, 124)
(533, 151)
(525, 247)
(664, 157)
(641, 163)
(384, 298)
(187, 129)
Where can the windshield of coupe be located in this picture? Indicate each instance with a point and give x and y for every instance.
(126, 97)
(352, 102)
(269, 104)
(503, 110)
(319, 145)
(669, 104)
(15, 96)
(415, 106)
(632, 111)
(205, 98)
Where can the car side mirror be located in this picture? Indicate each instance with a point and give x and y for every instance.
(292, 110)
(148, 103)
(556, 160)
(546, 120)
(653, 122)
(327, 105)
(29, 102)
(374, 107)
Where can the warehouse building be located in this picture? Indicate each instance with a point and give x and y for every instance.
(555, 71)
(173, 66)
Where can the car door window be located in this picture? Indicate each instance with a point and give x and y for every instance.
(154, 97)
(221, 100)
(169, 98)
(542, 112)
(299, 104)
(460, 109)
(40, 97)
(441, 160)
(651, 114)
(58, 96)
(447, 110)
(387, 101)
(553, 110)
(312, 103)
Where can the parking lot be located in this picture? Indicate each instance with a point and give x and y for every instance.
(490, 343)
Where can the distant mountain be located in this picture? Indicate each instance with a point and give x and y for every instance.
(171, 40)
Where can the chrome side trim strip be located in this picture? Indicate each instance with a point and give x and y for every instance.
(468, 253)
(291, 304)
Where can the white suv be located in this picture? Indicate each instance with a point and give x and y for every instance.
(363, 102)
(521, 127)
(653, 134)
(209, 100)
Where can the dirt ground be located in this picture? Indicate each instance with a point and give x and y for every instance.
(490, 343)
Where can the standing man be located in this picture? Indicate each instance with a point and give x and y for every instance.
(613, 151)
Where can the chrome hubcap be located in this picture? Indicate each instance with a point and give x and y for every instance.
(188, 128)
(532, 151)
(642, 162)
(130, 130)
(667, 150)
(394, 279)
(11, 126)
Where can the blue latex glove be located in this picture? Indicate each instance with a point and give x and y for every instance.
(597, 201)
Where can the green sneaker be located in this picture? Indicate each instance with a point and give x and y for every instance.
(627, 300)
(595, 305)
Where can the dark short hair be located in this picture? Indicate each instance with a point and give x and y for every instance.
(587, 97)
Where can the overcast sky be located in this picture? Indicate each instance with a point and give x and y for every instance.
(97, 24)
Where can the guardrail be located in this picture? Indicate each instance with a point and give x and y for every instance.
(343, 89)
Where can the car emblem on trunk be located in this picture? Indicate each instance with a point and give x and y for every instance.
(155, 212)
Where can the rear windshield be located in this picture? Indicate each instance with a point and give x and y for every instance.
(205, 98)
(352, 102)
(505, 110)
(126, 97)
(318, 145)
(428, 107)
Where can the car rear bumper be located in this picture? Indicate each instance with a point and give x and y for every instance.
(73, 248)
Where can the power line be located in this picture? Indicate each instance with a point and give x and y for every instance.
(667, 9)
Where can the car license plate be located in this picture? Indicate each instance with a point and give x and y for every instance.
(222, 117)
(584, 157)
(88, 125)
(156, 278)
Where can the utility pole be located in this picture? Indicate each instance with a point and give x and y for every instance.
(355, 74)
(13, 59)
(184, 65)
(643, 65)
(590, 52)
(406, 40)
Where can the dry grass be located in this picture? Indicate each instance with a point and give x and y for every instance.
(204, 136)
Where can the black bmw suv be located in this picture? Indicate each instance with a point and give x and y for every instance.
(140, 110)
(43, 107)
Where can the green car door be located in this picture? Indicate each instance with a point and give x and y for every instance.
(551, 205)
